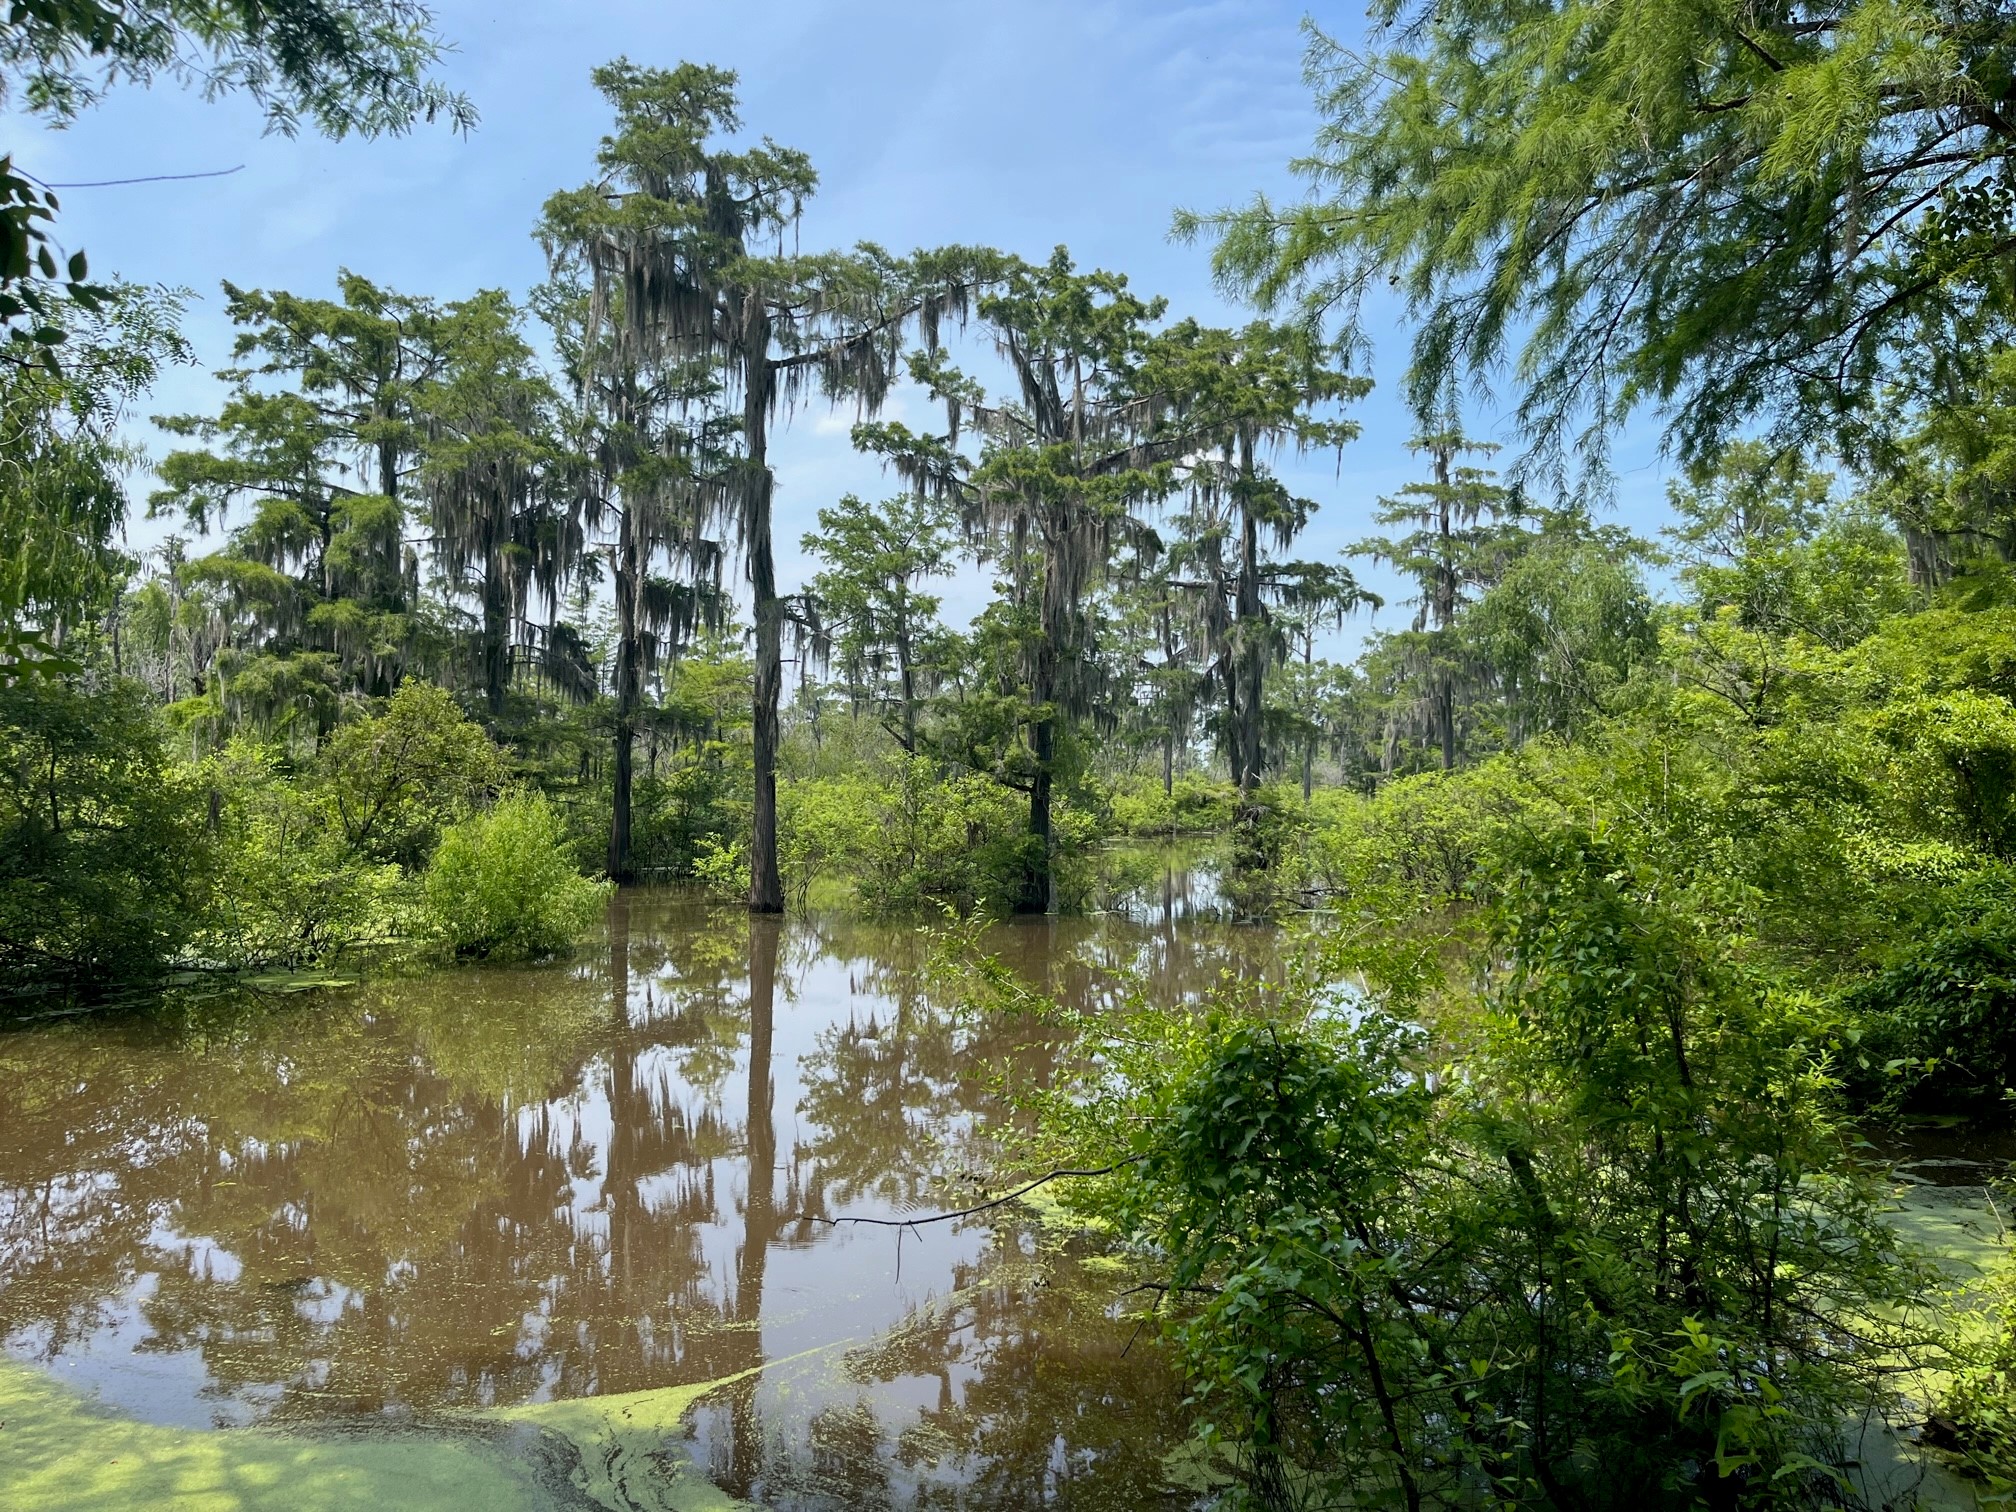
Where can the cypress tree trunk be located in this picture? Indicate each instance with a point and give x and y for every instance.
(629, 694)
(905, 677)
(766, 887)
(1249, 661)
(1249, 664)
(496, 636)
(1037, 886)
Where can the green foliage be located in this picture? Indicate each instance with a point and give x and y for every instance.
(884, 632)
(1759, 532)
(1194, 804)
(396, 779)
(319, 855)
(347, 65)
(908, 837)
(62, 491)
(105, 865)
(291, 891)
(1799, 195)
(1936, 1026)
(1615, 1253)
(501, 884)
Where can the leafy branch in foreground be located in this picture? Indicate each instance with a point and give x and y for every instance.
(1732, 212)
(1599, 1240)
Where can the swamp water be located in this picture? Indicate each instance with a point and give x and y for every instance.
(548, 1237)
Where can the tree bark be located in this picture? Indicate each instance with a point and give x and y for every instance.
(496, 635)
(907, 681)
(1249, 658)
(766, 886)
(1035, 894)
(629, 694)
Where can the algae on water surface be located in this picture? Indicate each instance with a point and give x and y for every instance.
(61, 1453)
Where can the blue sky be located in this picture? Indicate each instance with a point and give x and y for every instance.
(1020, 125)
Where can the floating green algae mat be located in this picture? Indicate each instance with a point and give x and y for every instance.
(61, 1453)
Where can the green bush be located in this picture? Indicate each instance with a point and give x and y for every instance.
(501, 884)
(913, 837)
(291, 889)
(695, 806)
(395, 780)
(105, 862)
(1936, 1028)
(1623, 1256)
(1194, 805)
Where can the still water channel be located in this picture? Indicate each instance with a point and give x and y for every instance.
(418, 1206)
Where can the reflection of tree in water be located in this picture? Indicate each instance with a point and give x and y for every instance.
(906, 1093)
(485, 1187)
(401, 1200)
(899, 1093)
(1039, 1401)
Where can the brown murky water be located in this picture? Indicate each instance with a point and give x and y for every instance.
(390, 1203)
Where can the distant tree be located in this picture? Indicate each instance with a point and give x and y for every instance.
(1314, 705)
(1760, 531)
(676, 242)
(872, 613)
(1152, 633)
(1457, 543)
(325, 456)
(1054, 496)
(1561, 629)
(1235, 395)
(505, 516)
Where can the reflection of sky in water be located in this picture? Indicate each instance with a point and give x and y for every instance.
(483, 1187)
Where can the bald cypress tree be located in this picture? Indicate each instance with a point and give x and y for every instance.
(649, 456)
(1065, 467)
(1460, 526)
(1236, 395)
(683, 243)
(505, 519)
(320, 440)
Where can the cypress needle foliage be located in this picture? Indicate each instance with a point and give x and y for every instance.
(1238, 395)
(1462, 526)
(1742, 215)
(326, 458)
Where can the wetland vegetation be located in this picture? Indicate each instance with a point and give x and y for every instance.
(509, 1003)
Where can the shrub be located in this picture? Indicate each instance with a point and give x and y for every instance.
(290, 888)
(501, 885)
(694, 807)
(395, 780)
(1623, 1258)
(1943, 1013)
(104, 859)
(914, 838)
(1194, 805)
